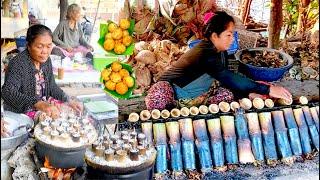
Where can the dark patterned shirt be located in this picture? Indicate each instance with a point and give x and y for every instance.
(19, 88)
(40, 85)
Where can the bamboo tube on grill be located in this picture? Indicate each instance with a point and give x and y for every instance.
(269, 103)
(175, 145)
(255, 136)
(133, 117)
(230, 139)
(203, 109)
(282, 137)
(175, 113)
(145, 115)
(188, 154)
(258, 103)
(224, 107)
(312, 128)
(245, 103)
(303, 130)
(293, 132)
(165, 114)
(147, 130)
(185, 111)
(284, 102)
(213, 108)
(303, 100)
(202, 143)
(268, 138)
(155, 114)
(214, 129)
(234, 105)
(243, 142)
(315, 117)
(160, 137)
(194, 111)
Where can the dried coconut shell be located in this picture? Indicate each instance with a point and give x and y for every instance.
(146, 57)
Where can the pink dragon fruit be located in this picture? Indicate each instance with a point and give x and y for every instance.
(221, 94)
(160, 96)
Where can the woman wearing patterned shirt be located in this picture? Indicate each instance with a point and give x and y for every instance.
(29, 80)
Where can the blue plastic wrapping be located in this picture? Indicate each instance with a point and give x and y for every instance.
(257, 147)
(231, 151)
(176, 157)
(217, 153)
(161, 161)
(295, 141)
(188, 155)
(269, 146)
(204, 154)
(283, 144)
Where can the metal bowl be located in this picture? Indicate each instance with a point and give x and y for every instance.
(18, 120)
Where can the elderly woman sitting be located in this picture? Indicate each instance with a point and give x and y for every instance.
(69, 37)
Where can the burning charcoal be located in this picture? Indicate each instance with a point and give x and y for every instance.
(282, 137)
(109, 154)
(293, 132)
(121, 155)
(134, 155)
(268, 138)
(303, 130)
(54, 134)
(76, 137)
(243, 142)
(312, 128)
(100, 151)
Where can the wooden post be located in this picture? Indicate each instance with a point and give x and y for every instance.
(63, 5)
(245, 11)
(275, 24)
(303, 5)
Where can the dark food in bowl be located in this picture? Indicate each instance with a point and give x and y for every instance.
(263, 58)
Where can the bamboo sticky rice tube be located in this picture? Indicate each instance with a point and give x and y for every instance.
(175, 113)
(165, 114)
(155, 114)
(268, 138)
(243, 142)
(303, 130)
(230, 140)
(145, 115)
(203, 109)
(188, 154)
(303, 100)
(282, 137)
(234, 105)
(269, 103)
(133, 117)
(202, 143)
(312, 127)
(214, 129)
(258, 103)
(293, 132)
(245, 103)
(175, 145)
(213, 108)
(194, 110)
(255, 136)
(284, 102)
(160, 137)
(224, 107)
(185, 111)
(315, 117)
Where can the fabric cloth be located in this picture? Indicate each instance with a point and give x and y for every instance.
(75, 50)
(19, 88)
(66, 37)
(204, 58)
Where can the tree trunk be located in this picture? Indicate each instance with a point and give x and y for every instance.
(303, 5)
(275, 24)
(63, 9)
(245, 10)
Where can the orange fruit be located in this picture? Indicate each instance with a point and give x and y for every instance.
(124, 23)
(110, 85)
(119, 48)
(117, 34)
(108, 44)
(115, 77)
(108, 36)
(121, 88)
(129, 81)
(127, 40)
(112, 27)
(105, 74)
(124, 73)
(125, 33)
(116, 66)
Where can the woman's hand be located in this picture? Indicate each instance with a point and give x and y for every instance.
(280, 92)
(4, 131)
(69, 49)
(48, 108)
(76, 105)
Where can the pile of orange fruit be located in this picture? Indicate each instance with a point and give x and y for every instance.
(117, 79)
(118, 37)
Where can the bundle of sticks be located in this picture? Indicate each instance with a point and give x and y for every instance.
(222, 136)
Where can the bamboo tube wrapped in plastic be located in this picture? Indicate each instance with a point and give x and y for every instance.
(202, 143)
(255, 136)
(230, 139)
(147, 130)
(312, 127)
(187, 137)
(282, 137)
(175, 145)
(293, 132)
(243, 142)
(160, 137)
(214, 129)
(268, 138)
(303, 130)
(315, 117)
